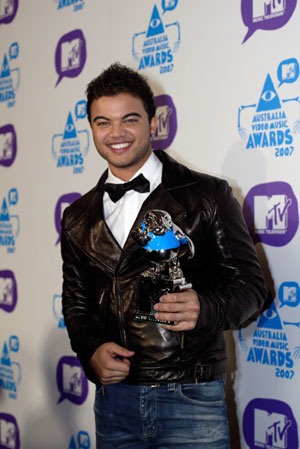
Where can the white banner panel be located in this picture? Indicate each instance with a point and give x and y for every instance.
(227, 91)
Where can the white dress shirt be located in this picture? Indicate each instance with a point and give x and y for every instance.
(121, 215)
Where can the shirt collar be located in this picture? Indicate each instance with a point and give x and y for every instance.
(151, 167)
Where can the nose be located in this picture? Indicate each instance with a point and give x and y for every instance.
(117, 130)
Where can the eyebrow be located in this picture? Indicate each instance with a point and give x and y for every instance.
(102, 117)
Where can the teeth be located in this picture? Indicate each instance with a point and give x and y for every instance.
(119, 146)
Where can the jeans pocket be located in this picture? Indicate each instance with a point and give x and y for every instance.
(204, 393)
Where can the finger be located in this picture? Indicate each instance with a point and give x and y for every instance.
(173, 297)
(167, 316)
(178, 307)
(111, 379)
(118, 366)
(126, 361)
(183, 296)
(168, 307)
(117, 350)
(179, 327)
(174, 328)
(107, 375)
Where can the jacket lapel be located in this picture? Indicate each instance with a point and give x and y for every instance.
(91, 233)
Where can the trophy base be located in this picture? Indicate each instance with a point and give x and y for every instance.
(148, 293)
(145, 317)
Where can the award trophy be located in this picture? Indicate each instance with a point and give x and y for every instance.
(163, 244)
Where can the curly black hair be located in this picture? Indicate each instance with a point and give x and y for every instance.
(117, 79)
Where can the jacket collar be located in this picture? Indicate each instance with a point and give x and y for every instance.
(175, 175)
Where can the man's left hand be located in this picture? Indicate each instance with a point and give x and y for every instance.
(183, 308)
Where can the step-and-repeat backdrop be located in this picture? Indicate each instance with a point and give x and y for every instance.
(227, 89)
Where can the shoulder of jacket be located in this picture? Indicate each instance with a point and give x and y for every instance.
(180, 176)
(211, 190)
(77, 209)
(211, 182)
(204, 184)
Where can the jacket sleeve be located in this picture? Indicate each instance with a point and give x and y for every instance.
(238, 288)
(79, 304)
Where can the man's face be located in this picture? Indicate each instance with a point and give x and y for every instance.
(121, 132)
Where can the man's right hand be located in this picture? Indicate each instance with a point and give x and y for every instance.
(111, 363)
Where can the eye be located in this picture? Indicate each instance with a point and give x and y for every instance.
(270, 314)
(70, 127)
(102, 124)
(268, 95)
(155, 23)
(131, 120)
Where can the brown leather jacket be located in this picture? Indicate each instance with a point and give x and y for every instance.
(100, 278)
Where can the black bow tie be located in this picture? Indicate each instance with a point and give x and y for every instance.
(116, 191)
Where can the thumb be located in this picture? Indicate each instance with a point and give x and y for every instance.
(122, 352)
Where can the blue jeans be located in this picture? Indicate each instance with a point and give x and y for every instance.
(181, 416)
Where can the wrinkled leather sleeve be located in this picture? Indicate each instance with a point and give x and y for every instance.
(238, 287)
(79, 304)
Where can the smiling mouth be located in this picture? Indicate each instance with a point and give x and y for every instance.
(119, 146)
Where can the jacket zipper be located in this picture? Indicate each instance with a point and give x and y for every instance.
(117, 294)
(101, 296)
(182, 340)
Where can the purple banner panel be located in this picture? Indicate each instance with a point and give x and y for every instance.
(271, 213)
(8, 291)
(167, 122)
(270, 424)
(9, 432)
(8, 145)
(266, 15)
(8, 10)
(64, 201)
(70, 55)
(71, 381)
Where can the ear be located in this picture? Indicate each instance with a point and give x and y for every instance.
(153, 125)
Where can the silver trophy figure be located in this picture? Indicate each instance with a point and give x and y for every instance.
(163, 244)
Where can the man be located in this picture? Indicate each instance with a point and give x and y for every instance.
(157, 385)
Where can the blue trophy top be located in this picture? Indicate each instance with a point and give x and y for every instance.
(166, 241)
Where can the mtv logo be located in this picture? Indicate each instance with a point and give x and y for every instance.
(163, 126)
(72, 379)
(6, 291)
(13, 196)
(290, 294)
(6, 8)
(80, 109)
(263, 8)
(14, 50)
(70, 54)
(7, 434)
(14, 343)
(271, 212)
(288, 71)
(170, 4)
(270, 429)
(6, 145)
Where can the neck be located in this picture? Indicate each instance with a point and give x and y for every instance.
(127, 173)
